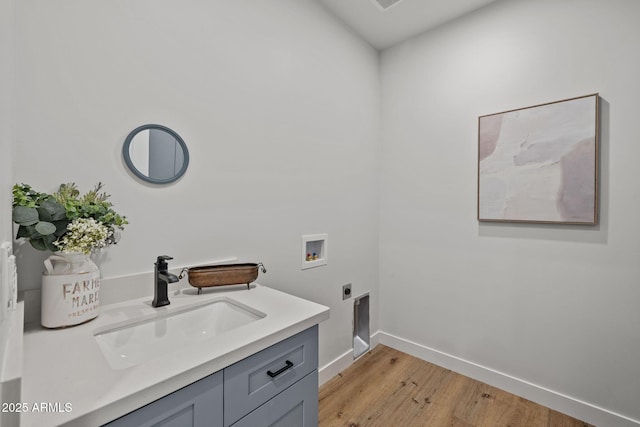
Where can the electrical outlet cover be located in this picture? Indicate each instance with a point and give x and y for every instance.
(346, 291)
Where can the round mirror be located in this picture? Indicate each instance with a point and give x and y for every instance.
(156, 154)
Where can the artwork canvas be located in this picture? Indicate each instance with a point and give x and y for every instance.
(540, 164)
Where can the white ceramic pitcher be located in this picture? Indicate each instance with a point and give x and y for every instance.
(70, 290)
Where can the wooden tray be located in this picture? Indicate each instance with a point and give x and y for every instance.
(221, 275)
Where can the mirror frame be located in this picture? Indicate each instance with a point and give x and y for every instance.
(136, 172)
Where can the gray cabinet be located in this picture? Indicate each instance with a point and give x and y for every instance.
(276, 387)
(197, 405)
(297, 406)
(256, 379)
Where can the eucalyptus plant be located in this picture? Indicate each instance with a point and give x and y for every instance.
(44, 219)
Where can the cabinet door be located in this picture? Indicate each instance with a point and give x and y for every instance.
(196, 405)
(297, 406)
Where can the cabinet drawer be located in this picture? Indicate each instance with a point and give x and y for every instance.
(256, 379)
(296, 406)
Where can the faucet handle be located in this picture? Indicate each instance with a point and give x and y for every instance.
(162, 261)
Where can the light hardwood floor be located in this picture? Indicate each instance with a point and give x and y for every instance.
(388, 388)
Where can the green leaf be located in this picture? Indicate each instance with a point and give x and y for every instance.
(38, 244)
(45, 243)
(45, 228)
(61, 227)
(25, 216)
(43, 214)
(55, 210)
(22, 232)
(33, 233)
(48, 242)
(24, 195)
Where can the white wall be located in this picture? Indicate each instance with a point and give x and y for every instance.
(277, 102)
(556, 306)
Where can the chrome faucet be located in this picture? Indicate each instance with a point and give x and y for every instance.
(162, 278)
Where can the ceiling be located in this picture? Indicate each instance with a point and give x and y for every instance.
(403, 19)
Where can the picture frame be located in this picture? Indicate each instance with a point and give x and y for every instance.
(539, 164)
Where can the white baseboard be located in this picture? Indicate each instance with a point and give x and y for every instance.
(341, 362)
(565, 404)
(333, 368)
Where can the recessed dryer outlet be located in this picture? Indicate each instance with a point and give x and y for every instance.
(361, 333)
(315, 250)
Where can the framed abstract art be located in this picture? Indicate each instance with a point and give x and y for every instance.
(540, 164)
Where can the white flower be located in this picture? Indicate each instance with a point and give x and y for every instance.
(84, 235)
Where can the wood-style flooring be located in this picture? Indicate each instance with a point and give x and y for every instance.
(388, 388)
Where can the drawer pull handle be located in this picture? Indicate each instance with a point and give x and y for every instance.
(289, 365)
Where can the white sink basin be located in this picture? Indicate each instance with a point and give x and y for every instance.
(133, 342)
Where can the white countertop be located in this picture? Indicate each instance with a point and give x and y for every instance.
(65, 369)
